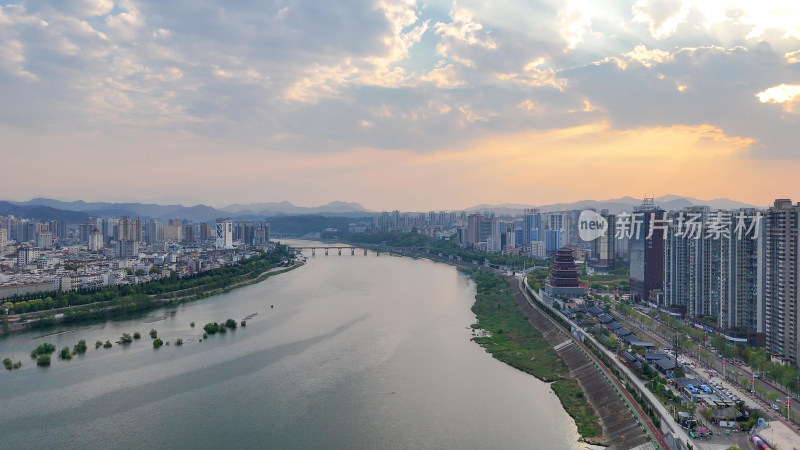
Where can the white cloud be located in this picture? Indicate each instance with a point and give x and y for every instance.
(463, 30)
(648, 57)
(661, 16)
(442, 77)
(786, 94)
(12, 59)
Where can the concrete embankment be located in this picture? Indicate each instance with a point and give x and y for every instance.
(621, 430)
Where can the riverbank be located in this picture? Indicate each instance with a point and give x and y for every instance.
(139, 302)
(511, 339)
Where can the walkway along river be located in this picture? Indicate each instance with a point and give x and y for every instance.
(370, 352)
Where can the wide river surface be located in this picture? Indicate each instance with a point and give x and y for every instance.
(345, 352)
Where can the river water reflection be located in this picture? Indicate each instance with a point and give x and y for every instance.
(357, 352)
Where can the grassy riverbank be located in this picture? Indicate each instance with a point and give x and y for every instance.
(515, 342)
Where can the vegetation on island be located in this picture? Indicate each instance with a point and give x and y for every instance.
(153, 333)
(79, 348)
(512, 340)
(10, 365)
(125, 339)
(158, 343)
(108, 344)
(65, 353)
(43, 349)
(43, 360)
(137, 335)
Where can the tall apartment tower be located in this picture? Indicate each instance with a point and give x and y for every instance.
(205, 231)
(188, 233)
(647, 255)
(743, 308)
(3, 238)
(604, 249)
(136, 230)
(224, 235)
(781, 233)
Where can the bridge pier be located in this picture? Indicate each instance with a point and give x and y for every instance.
(326, 252)
(313, 252)
(352, 251)
(365, 252)
(340, 252)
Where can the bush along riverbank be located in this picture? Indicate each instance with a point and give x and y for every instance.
(505, 333)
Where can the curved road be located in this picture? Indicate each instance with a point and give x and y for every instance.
(639, 411)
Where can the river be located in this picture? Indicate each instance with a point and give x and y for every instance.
(344, 352)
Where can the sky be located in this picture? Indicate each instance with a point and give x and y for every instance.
(406, 104)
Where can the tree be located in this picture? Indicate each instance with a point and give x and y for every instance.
(153, 333)
(80, 347)
(646, 369)
(772, 396)
(158, 343)
(43, 360)
(65, 353)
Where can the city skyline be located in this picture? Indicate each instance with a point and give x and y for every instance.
(413, 104)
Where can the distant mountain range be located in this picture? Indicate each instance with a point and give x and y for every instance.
(79, 210)
(617, 205)
(284, 207)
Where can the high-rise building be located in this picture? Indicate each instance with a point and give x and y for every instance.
(781, 275)
(173, 231)
(188, 233)
(647, 252)
(205, 232)
(136, 230)
(44, 240)
(473, 229)
(262, 234)
(556, 234)
(3, 238)
(107, 228)
(604, 249)
(127, 249)
(26, 255)
(743, 308)
(224, 234)
(95, 240)
(244, 231)
(531, 227)
(122, 231)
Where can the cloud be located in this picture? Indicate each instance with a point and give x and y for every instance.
(304, 78)
(786, 94)
(661, 16)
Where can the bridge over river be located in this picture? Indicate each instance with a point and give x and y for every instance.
(338, 248)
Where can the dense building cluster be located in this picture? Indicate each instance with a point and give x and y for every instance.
(45, 256)
(533, 232)
(733, 271)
